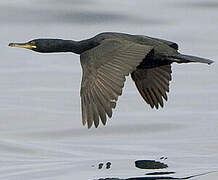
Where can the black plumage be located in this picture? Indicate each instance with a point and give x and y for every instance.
(108, 58)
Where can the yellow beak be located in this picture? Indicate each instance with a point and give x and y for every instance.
(23, 45)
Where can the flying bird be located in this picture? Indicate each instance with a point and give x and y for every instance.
(108, 58)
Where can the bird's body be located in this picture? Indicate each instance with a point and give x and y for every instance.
(108, 58)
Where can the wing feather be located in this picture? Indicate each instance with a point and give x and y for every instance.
(153, 84)
(101, 110)
(104, 70)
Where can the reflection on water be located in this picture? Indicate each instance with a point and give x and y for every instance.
(159, 173)
(150, 164)
(100, 165)
(151, 178)
(163, 158)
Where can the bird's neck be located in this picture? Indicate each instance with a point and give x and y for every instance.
(77, 47)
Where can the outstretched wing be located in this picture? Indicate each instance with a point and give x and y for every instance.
(104, 70)
(153, 84)
(169, 43)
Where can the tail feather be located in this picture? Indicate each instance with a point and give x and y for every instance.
(182, 58)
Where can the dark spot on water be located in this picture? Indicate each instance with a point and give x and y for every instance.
(150, 164)
(100, 165)
(108, 165)
(163, 158)
(160, 173)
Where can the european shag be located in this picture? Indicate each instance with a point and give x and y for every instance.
(108, 58)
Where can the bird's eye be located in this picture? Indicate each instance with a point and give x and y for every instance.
(32, 42)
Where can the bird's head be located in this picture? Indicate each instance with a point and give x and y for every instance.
(43, 45)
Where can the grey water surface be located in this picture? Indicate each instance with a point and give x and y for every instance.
(41, 134)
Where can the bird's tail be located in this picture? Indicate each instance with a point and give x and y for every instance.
(182, 58)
